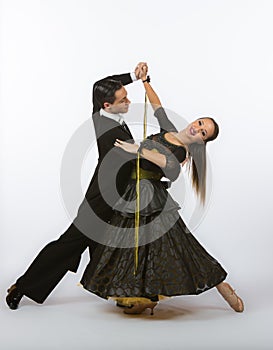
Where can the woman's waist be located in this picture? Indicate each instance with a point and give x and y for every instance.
(146, 174)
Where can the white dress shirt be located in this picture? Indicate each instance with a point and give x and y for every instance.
(117, 117)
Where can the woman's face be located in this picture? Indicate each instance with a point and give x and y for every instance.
(200, 130)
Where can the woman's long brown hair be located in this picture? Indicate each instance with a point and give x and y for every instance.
(198, 163)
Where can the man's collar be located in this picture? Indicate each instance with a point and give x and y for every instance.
(117, 117)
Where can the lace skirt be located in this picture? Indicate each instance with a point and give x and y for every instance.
(171, 261)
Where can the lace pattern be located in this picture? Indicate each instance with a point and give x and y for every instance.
(174, 154)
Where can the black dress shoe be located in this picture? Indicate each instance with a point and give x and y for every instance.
(14, 297)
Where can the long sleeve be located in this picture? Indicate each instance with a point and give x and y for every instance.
(172, 167)
(124, 78)
(163, 120)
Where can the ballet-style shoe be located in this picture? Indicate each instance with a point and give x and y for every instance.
(14, 297)
(139, 308)
(234, 301)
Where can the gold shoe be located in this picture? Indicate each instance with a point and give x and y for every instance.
(231, 297)
(139, 308)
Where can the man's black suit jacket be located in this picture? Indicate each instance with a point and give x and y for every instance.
(111, 175)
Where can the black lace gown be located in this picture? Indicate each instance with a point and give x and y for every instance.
(170, 261)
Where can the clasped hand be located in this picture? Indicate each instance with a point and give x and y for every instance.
(141, 70)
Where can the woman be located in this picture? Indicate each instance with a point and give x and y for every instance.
(166, 260)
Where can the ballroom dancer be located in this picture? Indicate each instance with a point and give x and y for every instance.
(167, 260)
(58, 257)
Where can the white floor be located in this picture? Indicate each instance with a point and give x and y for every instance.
(71, 318)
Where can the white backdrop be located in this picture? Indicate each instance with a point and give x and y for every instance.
(206, 57)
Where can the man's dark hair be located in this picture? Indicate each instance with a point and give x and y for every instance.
(104, 91)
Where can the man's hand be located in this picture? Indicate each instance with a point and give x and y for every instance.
(140, 70)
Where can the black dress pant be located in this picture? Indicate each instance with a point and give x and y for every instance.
(63, 255)
(52, 263)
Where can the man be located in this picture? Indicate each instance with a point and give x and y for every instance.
(64, 254)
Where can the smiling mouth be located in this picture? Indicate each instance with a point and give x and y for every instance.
(192, 131)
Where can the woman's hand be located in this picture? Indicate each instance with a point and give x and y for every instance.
(154, 157)
(139, 70)
(126, 146)
(143, 72)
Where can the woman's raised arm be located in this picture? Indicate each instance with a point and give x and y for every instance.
(159, 112)
(151, 94)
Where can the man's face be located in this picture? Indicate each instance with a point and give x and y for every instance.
(121, 103)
